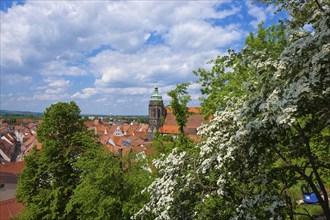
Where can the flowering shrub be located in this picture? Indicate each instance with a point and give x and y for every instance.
(260, 142)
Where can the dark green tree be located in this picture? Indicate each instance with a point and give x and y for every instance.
(50, 177)
(110, 186)
(99, 193)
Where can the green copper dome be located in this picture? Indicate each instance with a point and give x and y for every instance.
(156, 96)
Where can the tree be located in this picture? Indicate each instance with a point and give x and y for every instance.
(271, 137)
(178, 104)
(227, 82)
(110, 186)
(99, 195)
(50, 177)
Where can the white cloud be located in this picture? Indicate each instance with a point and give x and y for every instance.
(51, 95)
(61, 83)
(15, 79)
(86, 93)
(158, 63)
(201, 36)
(47, 36)
(105, 47)
(257, 12)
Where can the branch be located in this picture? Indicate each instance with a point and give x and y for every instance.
(324, 165)
(318, 4)
(323, 201)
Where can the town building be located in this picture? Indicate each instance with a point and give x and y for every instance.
(163, 120)
(157, 113)
(9, 207)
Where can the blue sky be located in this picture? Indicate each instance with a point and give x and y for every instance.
(108, 55)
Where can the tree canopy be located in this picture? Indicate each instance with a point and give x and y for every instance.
(51, 172)
(269, 132)
(74, 177)
(178, 104)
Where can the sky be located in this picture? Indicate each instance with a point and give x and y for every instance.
(107, 56)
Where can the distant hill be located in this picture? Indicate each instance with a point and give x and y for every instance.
(21, 113)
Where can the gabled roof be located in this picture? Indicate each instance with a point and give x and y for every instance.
(13, 168)
(7, 148)
(10, 208)
(169, 129)
(88, 124)
(29, 144)
(195, 120)
(29, 141)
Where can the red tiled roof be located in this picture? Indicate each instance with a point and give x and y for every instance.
(118, 140)
(104, 139)
(138, 149)
(7, 148)
(14, 168)
(10, 208)
(98, 122)
(148, 151)
(29, 141)
(88, 124)
(4, 124)
(169, 129)
(112, 149)
(125, 128)
(190, 109)
(38, 145)
(112, 129)
(195, 120)
(10, 137)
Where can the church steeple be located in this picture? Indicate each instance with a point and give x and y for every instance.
(156, 96)
(156, 112)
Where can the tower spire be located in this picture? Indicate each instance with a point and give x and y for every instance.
(156, 113)
(156, 87)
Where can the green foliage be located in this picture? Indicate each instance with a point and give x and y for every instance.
(50, 177)
(162, 144)
(73, 177)
(180, 98)
(269, 132)
(301, 12)
(136, 178)
(99, 193)
(60, 122)
(232, 77)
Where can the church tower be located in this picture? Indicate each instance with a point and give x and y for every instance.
(156, 113)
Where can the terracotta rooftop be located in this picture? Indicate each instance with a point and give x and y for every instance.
(195, 120)
(6, 148)
(10, 208)
(14, 168)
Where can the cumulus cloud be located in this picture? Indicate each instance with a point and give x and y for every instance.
(259, 13)
(147, 67)
(15, 79)
(58, 83)
(201, 36)
(86, 93)
(94, 51)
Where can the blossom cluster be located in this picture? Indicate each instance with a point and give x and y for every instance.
(237, 144)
